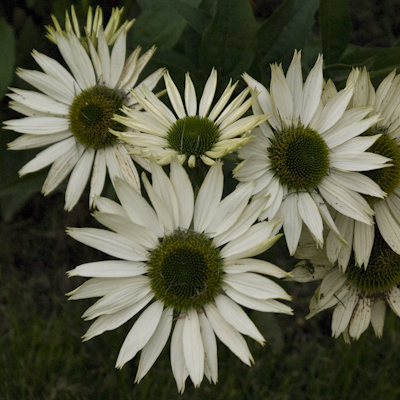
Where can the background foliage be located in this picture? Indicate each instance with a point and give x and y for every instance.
(42, 355)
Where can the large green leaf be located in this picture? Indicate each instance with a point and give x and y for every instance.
(7, 58)
(228, 43)
(335, 28)
(288, 28)
(159, 24)
(196, 18)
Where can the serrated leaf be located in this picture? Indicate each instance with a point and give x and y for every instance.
(288, 28)
(159, 24)
(7, 59)
(335, 28)
(228, 43)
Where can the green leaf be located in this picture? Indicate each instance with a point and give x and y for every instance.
(196, 18)
(159, 24)
(335, 28)
(16, 193)
(7, 58)
(288, 28)
(228, 43)
(380, 61)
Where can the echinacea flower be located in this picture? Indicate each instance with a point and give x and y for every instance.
(358, 296)
(74, 111)
(196, 131)
(309, 153)
(360, 236)
(184, 263)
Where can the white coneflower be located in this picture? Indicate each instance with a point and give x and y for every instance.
(309, 153)
(358, 296)
(197, 131)
(74, 111)
(184, 262)
(360, 236)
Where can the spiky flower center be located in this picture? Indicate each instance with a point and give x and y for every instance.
(193, 135)
(299, 157)
(382, 273)
(387, 178)
(185, 270)
(90, 116)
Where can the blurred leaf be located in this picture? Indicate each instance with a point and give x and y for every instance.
(228, 43)
(380, 61)
(196, 18)
(335, 28)
(175, 62)
(7, 59)
(288, 28)
(159, 24)
(382, 57)
(14, 194)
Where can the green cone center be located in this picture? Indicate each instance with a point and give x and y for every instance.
(383, 270)
(300, 157)
(193, 135)
(185, 270)
(90, 116)
(387, 178)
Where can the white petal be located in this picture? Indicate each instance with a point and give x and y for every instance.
(269, 305)
(363, 242)
(193, 349)
(108, 242)
(138, 209)
(184, 193)
(256, 286)
(61, 168)
(309, 212)
(292, 223)
(210, 349)
(108, 322)
(229, 210)
(208, 94)
(343, 312)
(228, 334)
(177, 358)
(190, 96)
(98, 176)
(48, 156)
(109, 269)
(164, 213)
(27, 141)
(209, 196)
(174, 96)
(234, 315)
(38, 125)
(361, 318)
(253, 265)
(165, 191)
(140, 236)
(312, 92)
(281, 96)
(378, 312)
(140, 333)
(154, 346)
(334, 109)
(388, 226)
(344, 201)
(78, 179)
(251, 243)
(117, 59)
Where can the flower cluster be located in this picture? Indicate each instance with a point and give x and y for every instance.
(184, 263)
